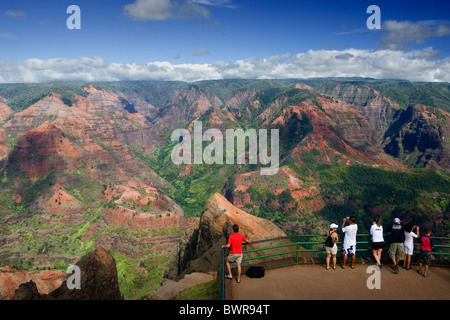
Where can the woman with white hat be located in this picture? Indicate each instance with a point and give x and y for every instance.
(331, 245)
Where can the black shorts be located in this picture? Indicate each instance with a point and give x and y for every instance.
(377, 245)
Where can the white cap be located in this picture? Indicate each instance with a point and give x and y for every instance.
(397, 220)
(333, 226)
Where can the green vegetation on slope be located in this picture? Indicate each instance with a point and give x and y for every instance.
(368, 192)
(140, 276)
(203, 291)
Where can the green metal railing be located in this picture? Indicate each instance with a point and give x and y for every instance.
(316, 246)
(310, 249)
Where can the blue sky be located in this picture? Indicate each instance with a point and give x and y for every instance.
(208, 39)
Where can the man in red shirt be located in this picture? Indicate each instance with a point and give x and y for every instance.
(235, 242)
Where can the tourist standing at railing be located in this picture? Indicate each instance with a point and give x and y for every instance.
(349, 245)
(409, 244)
(426, 245)
(376, 230)
(332, 251)
(396, 239)
(236, 254)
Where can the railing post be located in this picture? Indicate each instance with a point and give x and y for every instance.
(298, 248)
(222, 275)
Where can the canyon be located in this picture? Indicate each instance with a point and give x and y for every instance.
(85, 166)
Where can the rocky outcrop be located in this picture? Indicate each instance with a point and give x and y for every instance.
(217, 221)
(99, 281)
(90, 139)
(140, 198)
(148, 221)
(44, 149)
(28, 291)
(49, 108)
(57, 201)
(306, 195)
(416, 134)
(186, 105)
(419, 136)
(338, 133)
(5, 111)
(4, 148)
(96, 132)
(45, 281)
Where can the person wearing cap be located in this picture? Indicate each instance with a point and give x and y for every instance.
(396, 239)
(332, 251)
(376, 230)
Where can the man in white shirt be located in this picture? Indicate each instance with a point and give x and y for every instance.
(349, 245)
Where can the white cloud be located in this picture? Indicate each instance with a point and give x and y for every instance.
(16, 14)
(7, 35)
(201, 52)
(418, 65)
(159, 10)
(397, 34)
(216, 3)
(382, 64)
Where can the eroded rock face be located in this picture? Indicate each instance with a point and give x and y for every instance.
(216, 226)
(99, 281)
(148, 221)
(5, 111)
(44, 149)
(187, 105)
(45, 281)
(28, 291)
(418, 135)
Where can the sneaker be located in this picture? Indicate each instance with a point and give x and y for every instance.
(426, 275)
(419, 272)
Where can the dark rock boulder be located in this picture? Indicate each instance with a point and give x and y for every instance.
(98, 281)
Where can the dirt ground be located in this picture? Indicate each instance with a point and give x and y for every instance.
(314, 282)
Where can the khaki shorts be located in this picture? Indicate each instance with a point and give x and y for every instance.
(332, 250)
(235, 258)
(396, 251)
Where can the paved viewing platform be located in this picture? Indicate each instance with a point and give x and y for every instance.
(314, 282)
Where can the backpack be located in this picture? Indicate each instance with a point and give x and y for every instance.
(255, 272)
(329, 242)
